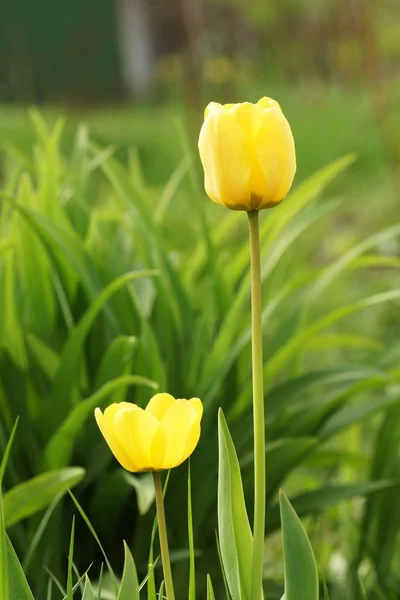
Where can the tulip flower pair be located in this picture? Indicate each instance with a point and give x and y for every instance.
(248, 155)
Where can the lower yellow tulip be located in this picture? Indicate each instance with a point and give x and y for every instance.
(161, 436)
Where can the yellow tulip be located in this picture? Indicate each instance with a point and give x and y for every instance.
(160, 437)
(248, 154)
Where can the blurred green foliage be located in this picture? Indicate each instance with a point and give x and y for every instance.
(115, 279)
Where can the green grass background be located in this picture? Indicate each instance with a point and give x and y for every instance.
(83, 206)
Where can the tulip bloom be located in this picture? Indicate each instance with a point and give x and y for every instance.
(162, 436)
(248, 154)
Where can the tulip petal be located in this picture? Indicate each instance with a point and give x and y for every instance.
(159, 405)
(266, 102)
(177, 424)
(135, 429)
(191, 441)
(212, 106)
(276, 156)
(157, 449)
(197, 404)
(106, 426)
(226, 162)
(250, 118)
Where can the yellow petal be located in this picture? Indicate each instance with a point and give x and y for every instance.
(135, 430)
(177, 424)
(112, 410)
(226, 161)
(191, 440)
(197, 404)
(106, 426)
(266, 102)
(212, 107)
(159, 404)
(157, 450)
(276, 156)
(250, 118)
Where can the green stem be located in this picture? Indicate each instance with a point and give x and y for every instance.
(258, 410)
(162, 529)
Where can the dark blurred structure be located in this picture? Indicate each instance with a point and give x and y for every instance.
(100, 51)
(88, 51)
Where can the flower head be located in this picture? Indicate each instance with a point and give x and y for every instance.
(248, 154)
(161, 436)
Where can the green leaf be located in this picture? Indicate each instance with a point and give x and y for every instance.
(354, 414)
(39, 532)
(100, 583)
(170, 189)
(324, 585)
(301, 573)
(210, 590)
(129, 588)
(3, 555)
(11, 331)
(233, 524)
(96, 537)
(161, 591)
(192, 572)
(88, 593)
(336, 268)
(70, 561)
(282, 456)
(18, 585)
(149, 574)
(286, 352)
(35, 268)
(136, 206)
(144, 488)
(322, 498)
(33, 495)
(116, 361)
(7, 451)
(68, 371)
(46, 358)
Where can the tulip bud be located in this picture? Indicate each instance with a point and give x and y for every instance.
(160, 437)
(248, 154)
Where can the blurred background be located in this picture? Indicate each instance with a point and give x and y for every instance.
(333, 65)
(100, 107)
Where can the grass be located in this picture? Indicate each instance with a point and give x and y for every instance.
(117, 276)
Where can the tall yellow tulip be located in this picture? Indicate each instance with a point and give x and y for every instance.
(161, 436)
(248, 154)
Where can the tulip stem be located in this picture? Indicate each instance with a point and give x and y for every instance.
(162, 530)
(258, 409)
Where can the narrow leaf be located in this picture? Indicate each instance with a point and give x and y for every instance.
(37, 493)
(3, 555)
(301, 573)
(210, 590)
(88, 593)
(7, 451)
(18, 585)
(234, 529)
(192, 573)
(129, 588)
